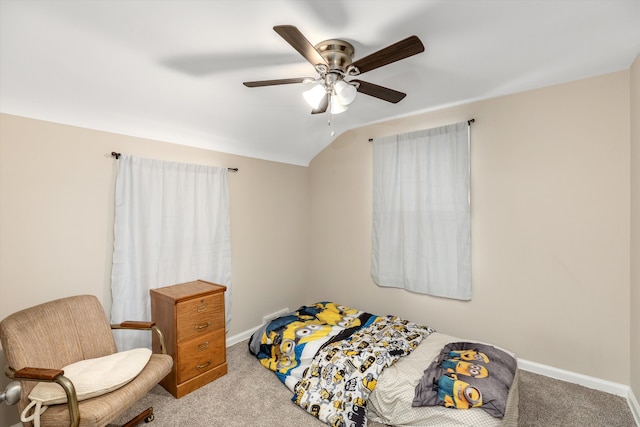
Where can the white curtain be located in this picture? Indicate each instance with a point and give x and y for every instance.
(421, 212)
(171, 226)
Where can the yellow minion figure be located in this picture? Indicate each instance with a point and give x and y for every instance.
(335, 420)
(469, 355)
(349, 321)
(339, 405)
(289, 332)
(273, 340)
(283, 355)
(315, 410)
(315, 371)
(358, 401)
(326, 394)
(458, 394)
(369, 382)
(286, 357)
(465, 368)
(311, 331)
(334, 314)
(349, 353)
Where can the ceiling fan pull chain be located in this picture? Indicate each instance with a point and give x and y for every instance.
(330, 123)
(330, 120)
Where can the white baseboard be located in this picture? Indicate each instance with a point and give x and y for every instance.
(235, 339)
(574, 377)
(634, 405)
(587, 381)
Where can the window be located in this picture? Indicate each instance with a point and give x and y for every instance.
(421, 239)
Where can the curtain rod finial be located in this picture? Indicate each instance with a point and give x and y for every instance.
(116, 155)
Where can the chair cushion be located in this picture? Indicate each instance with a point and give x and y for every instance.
(106, 409)
(94, 377)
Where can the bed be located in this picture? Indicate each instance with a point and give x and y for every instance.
(347, 367)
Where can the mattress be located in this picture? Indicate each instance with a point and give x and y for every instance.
(348, 367)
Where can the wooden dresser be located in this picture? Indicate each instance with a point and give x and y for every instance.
(191, 315)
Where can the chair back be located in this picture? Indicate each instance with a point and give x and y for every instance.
(55, 334)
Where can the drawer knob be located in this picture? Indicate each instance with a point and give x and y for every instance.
(200, 327)
(204, 346)
(202, 307)
(198, 367)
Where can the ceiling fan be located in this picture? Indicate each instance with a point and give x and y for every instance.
(333, 60)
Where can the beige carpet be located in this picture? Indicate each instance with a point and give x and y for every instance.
(250, 395)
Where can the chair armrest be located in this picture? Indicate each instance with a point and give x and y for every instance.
(50, 375)
(134, 324)
(141, 325)
(37, 374)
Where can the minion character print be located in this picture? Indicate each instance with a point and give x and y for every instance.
(458, 394)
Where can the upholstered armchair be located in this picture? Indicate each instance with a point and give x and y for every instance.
(40, 341)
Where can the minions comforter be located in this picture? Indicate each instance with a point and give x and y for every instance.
(330, 356)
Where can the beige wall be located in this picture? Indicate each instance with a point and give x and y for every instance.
(56, 220)
(635, 226)
(550, 180)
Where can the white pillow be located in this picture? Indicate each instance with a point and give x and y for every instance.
(91, 378)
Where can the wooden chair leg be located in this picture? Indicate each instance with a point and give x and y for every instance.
(146, 415)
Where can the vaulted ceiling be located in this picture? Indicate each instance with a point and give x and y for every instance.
(172, 70)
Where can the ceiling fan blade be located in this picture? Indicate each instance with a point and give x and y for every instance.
(323, 105)
(395, 52)
(275, 82)
(295, 38)
(381, 92)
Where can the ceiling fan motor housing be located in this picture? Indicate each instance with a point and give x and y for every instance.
(337, 53)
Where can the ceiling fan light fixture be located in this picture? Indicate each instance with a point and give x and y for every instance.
(314, 95)
(336, 106)
(345, 93)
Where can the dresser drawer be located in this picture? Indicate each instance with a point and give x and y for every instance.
(200, 354)
(199, 316)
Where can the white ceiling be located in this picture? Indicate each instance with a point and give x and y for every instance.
(172, 70)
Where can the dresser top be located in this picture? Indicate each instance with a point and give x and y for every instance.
(188, 290)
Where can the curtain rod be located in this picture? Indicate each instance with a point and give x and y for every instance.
(117, 156)
(468, 123)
